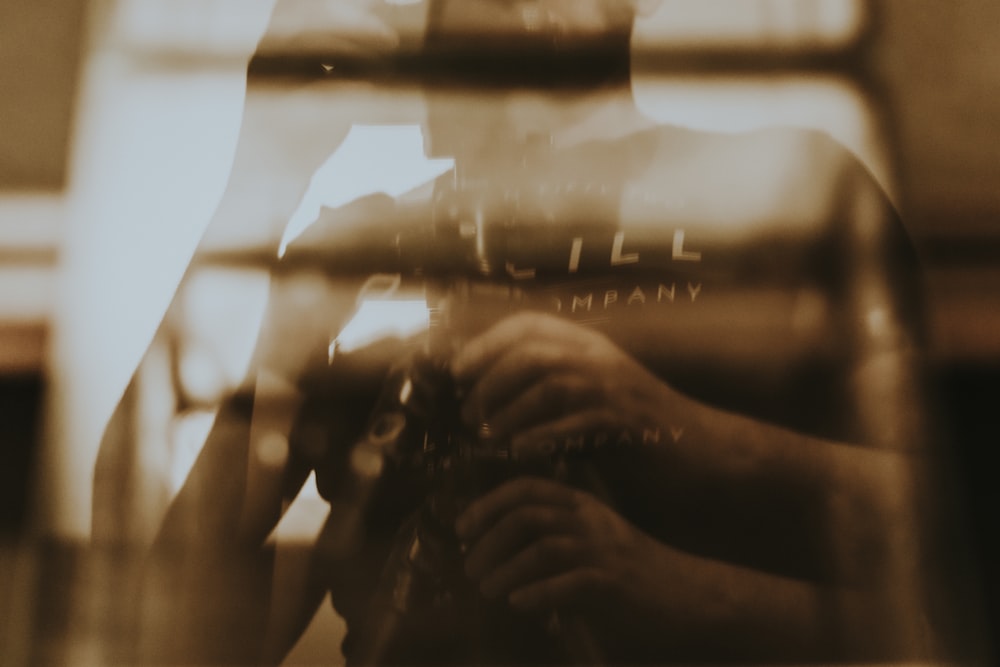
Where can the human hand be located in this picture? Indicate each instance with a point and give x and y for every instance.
(548, 548)
(545, 545)
(539, 380)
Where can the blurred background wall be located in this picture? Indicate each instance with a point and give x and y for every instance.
(941, 69)
(65, 96)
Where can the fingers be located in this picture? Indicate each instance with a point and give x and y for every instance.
(543, 545)
(512, 532)
(546, 396)
(509, 375)
(554, 396)
(481, 515)
(484, 351)
(534, 531)
(543, 558)
(583, 583)
(531, 368)
(543, 440)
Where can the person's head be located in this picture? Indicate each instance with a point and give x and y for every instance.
(554, 43)
(533, 55)
(542, 19)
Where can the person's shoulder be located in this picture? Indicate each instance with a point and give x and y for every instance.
(777, 152)
(776, 176)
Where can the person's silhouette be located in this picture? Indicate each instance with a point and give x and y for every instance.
(666, 318)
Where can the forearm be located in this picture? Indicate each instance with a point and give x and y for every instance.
(547, 546)
(209, 573)
(707, 480)
(700, 609)
(205, 585)
(204, 606)
(814, 507)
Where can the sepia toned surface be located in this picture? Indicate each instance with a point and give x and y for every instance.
(690, 215)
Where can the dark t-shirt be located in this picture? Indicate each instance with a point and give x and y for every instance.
(727, 265)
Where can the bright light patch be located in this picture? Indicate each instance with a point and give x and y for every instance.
(878, 323)
(201, 374)
(380, 319)
(190, 431)
(272, 450)
(372, 159)
(759, 24)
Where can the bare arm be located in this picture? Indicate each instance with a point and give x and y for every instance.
(213, 590)
(716, 474)
(541, 381)
(545, 546)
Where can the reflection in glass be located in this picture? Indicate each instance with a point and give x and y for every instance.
(430, 281)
